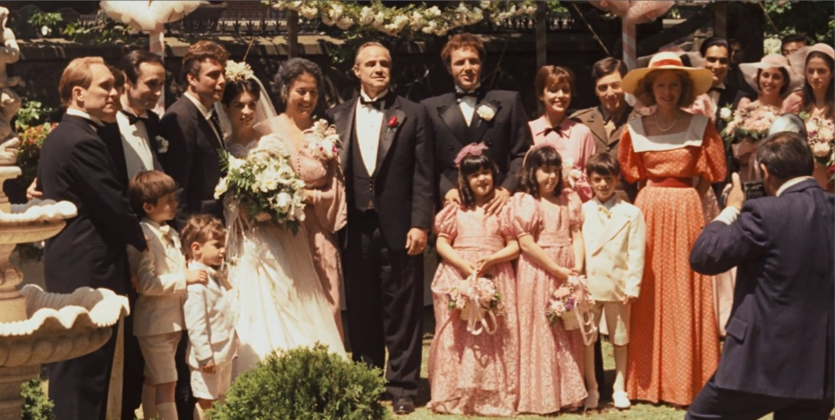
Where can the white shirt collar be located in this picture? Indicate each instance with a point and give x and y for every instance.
(790, 183)
(207, 112)
(609, 203)
(368, 98)
(79, 113)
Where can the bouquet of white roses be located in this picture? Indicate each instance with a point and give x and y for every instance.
(265, 184)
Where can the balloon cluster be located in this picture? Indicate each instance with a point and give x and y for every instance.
(148, 16)
(635, 11)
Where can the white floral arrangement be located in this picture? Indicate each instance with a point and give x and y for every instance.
(394, 20)
(821, 138)
(486, 112)
(322, 140)
(238, 71)
(265, 184)
(478, 302)
(571, 173)
(162, 144)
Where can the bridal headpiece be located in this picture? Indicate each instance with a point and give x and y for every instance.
(238, 71)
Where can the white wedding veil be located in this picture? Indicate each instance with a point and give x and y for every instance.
(264, 111)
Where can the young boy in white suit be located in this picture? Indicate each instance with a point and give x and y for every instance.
(161, 280)
(209, 314)
(615, 236)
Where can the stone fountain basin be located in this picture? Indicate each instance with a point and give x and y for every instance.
(60, 326)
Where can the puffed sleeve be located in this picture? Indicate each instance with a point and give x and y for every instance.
(575, 208)
(631, 163)
(506, 222)
(527, 215)
(711, 164)
(446, 224)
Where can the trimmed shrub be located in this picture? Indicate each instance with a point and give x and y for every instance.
(36, 405)
(305, 384)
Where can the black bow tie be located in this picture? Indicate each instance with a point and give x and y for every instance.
(132, 119)
(376, 103)
(557, 129)
(461, 95)
(716, 89)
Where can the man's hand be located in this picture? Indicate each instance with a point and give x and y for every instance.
(415, 241)
(452, 196)
(196, 277)
(500, 197)
(736, 197)
(208, 367)
(32, 192)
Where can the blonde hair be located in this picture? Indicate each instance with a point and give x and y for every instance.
(644, 89)
(77, 73)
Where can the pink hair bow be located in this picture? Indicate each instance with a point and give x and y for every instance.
(475, 149)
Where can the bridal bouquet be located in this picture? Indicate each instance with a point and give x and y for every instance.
(571, 303)
(751, 122)
(265, 184)
(478, 301)
(321, 140)
(821, 136)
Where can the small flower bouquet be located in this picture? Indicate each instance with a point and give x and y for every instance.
(575, 179)
(478, 300)
(321, 140)
(749, 123)
(31, 140)
(821, 136)
(265, 184)
(570, 303)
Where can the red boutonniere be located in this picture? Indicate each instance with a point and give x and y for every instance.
(393, 121)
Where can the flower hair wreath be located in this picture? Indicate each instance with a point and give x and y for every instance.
(238, 71)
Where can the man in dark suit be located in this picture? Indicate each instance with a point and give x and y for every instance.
(779, 349)
(472, 114)
(608, 120)
(91, 250)
(387, 160)
(192, 132)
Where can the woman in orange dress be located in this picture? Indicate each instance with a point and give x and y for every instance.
(674, 347)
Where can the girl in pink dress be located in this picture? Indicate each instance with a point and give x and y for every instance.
(547, 220)
(554, 88)
(474, 374)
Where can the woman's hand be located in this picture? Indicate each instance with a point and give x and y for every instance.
(468, 269)
(484, 263)
(563, 273)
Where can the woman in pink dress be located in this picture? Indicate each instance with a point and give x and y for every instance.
(474, 374)
(554, 87)
(547, 220)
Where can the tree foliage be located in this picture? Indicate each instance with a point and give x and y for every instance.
(813, 18)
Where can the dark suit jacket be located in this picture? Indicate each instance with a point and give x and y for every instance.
(192, 159)
(403, 192)
(730, 96)
(91, 251)
(113, 140)
(507, 135)
(780, 334)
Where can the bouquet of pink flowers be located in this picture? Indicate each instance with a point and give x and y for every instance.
(478, 301)
(751, 122)
(821, 136)
(572, 304)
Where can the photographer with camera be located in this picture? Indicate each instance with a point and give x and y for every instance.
(778, 352)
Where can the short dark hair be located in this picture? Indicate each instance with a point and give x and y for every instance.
(118, 76)
(793, 38)
(292, 69)
(201, 228)
(470, 165)
(235, 88)
(149, 187)
(786, 78)
(715, 41)
(199, 52)
(535, 159)
(603, 164)
(644, 90)
(607, 66)
(459, 41)
(130, 63)
(548, 75)
(786, 155)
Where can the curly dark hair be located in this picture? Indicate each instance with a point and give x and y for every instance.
(287, 74)
(199, 52)
(545, 156)
(233, 89)
(470, 165)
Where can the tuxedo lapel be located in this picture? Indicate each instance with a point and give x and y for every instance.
(453, 118)
(615, 225)
(344, 123)
(387, 133)
(205, 126)
(478, 126)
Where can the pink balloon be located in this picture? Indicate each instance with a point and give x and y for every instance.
(646, 11)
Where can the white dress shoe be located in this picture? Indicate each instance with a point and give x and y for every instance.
(621, 400)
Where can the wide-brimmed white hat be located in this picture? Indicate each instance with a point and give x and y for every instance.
(702, 78)
(797, 60)
(750, 70)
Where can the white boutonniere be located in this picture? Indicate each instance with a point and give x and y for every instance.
(162, 144)
(726, 113)
(486, 112)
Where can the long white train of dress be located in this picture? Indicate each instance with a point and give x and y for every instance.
(280, 301)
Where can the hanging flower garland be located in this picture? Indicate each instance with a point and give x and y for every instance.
(394, 20)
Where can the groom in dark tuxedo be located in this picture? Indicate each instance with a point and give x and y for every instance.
(191, 129)
(779, 347)
(91, 250)
(472, 114)
(387, 159)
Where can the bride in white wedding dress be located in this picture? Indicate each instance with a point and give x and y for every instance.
(281, 303)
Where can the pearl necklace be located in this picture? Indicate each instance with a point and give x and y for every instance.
(664, 130)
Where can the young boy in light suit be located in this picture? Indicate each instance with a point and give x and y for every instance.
(161, 281)
(615, 236)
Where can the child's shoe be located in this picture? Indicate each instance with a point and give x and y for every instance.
(621, 400)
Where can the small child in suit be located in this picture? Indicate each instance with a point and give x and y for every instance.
(209, 314)
(615, 236)
(161, 280)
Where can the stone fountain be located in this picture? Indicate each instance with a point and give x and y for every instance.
(37, 327)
